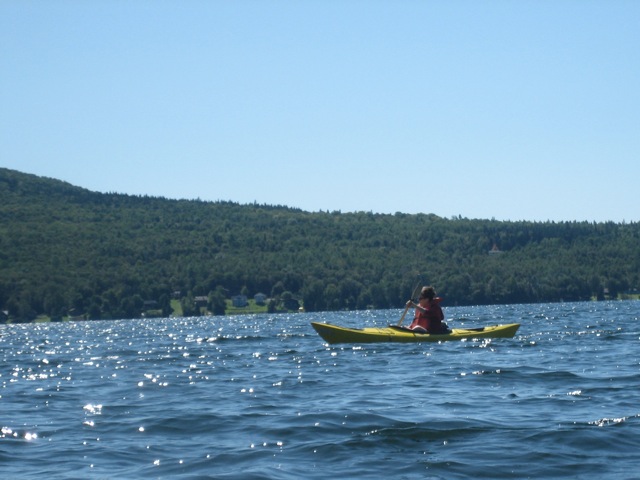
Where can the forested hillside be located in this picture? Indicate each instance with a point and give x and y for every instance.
(65, 249)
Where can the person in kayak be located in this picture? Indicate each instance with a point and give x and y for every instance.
(429, 316)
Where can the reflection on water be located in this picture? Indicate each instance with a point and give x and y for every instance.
(261, 396)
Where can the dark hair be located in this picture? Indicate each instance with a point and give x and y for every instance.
(428, 292)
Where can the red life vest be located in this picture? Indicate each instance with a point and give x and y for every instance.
(431, 319)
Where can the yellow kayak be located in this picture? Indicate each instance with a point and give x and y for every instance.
(335, 334)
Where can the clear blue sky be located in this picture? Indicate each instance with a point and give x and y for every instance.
(513, 110)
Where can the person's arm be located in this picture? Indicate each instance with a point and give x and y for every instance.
(410, 302)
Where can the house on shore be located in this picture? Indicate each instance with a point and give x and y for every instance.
(495, 250)
(239, 301)
(260, 299)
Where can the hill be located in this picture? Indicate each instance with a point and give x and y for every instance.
(65, 249)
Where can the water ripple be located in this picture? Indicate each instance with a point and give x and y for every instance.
(262, 396)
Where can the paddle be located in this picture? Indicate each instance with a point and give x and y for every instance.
(413, 296)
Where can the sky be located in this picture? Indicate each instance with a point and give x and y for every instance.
(506, 110)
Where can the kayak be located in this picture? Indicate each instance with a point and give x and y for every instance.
(335, 334)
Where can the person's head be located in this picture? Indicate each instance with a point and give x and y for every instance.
(428, 293)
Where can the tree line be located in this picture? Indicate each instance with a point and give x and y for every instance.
(66, 250)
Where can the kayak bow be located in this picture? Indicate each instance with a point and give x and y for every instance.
(335, 334)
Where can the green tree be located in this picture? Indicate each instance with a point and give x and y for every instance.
(188, 305)
(64, 247)
(217, 303)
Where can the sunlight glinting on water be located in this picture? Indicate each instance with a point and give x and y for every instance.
(264, 394)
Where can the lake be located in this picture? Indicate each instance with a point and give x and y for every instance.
(263, 397)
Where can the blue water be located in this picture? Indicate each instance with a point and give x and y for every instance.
(261, 396)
